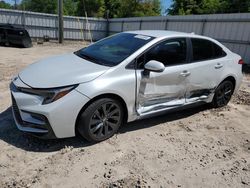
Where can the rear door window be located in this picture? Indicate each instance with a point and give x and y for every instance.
(205, 50)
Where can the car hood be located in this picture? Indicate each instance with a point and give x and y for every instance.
(60, 71)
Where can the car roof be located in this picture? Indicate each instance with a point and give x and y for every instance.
(163, 33)
(167, 33)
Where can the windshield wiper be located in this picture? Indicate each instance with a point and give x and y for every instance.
(90, 58)
(85, 56)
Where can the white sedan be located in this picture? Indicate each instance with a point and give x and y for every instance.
(122, 78)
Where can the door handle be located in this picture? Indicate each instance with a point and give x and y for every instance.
(185, 73)
(218, 66)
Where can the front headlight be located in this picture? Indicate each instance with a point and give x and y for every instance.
(49, 95)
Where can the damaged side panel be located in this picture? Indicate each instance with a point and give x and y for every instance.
(159, 91)
(203, 80)
(200, 94)
(167, 90)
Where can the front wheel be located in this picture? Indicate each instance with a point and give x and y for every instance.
(100, 120)
(223, 94)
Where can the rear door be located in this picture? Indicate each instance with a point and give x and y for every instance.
(164, 90)
(204, 70)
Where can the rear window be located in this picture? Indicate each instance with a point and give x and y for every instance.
(205, 50)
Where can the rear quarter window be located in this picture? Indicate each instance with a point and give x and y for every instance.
(205, 50)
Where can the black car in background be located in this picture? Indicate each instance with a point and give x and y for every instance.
(13, 35)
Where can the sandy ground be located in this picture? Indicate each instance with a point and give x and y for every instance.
(199, 147)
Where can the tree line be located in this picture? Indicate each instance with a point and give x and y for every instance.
(186, 7)
(132, 8)
(93, 8)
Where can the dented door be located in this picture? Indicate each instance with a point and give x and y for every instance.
(203, 79)
(158, 91)
(205, 70)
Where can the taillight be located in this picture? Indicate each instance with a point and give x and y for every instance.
(241, 62)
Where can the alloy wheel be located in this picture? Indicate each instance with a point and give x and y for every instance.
(224, 93)
(105, 120)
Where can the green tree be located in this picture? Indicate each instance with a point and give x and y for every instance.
(97, 8)
(112, 8)
(137, 8)
(127, 8)
(5, 5)
(70, 7)
(49, 6)
(45, 6)
(185, 7)
(94, 8)
(210, 6)
(119, 8)
(149, 8)
(236, 6)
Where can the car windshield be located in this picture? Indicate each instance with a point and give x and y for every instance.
(113, 50)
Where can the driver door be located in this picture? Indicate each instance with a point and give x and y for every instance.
(157, 91)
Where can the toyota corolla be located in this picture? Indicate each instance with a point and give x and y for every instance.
(122, 78)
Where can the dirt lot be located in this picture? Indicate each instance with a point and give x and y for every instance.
(199, 147)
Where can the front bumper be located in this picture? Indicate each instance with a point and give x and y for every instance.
(54, 120)
(40, 129)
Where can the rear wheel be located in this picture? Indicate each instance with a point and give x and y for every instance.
(100, 120)
(223, 94)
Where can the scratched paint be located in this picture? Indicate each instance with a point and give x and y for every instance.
(157, 92)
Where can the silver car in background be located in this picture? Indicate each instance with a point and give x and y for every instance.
(122, 78)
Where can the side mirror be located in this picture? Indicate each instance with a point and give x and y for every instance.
(154, 66)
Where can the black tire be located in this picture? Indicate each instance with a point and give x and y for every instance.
(100, 120)
(7, 44)
(223, 94)
(27, 43)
